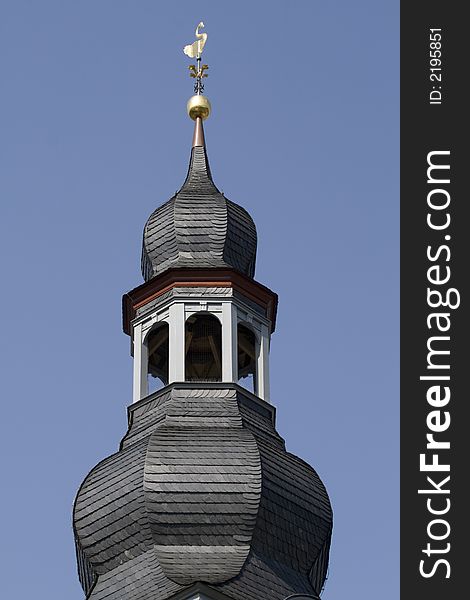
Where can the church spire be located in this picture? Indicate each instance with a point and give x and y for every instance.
(202, 501)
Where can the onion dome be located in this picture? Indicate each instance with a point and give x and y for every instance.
(199, 227)
(202, 496)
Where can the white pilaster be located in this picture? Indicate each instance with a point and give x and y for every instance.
(229, 343)
(177, 343)
(140, 365)
(262, 382)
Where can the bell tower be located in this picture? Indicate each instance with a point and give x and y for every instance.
(202, 501)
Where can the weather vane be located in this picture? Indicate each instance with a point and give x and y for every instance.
(194, 50)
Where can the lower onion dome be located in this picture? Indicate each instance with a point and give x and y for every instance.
(202, 492)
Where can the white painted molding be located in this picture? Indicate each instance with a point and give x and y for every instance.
(215, 309)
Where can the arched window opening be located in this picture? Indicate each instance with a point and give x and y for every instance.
(158, 352)
(203, 348)
(247, 358)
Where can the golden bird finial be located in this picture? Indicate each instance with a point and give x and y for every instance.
(198, 106)
(195, 49)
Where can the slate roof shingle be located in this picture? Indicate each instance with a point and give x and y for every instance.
(199, 227)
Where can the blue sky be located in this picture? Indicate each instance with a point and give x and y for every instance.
(94, 135)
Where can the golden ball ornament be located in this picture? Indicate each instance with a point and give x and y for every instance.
(199, 106)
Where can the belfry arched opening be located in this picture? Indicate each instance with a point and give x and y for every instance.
(203, 347)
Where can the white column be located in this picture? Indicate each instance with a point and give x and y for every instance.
(229, 343)
(263, 365)
(140, 365)
(176, 321)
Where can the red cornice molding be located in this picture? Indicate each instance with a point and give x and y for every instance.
(172, 278)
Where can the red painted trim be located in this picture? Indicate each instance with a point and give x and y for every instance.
(172, 278)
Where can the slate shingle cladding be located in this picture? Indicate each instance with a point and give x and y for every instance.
(202, 489)
(199, 228)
